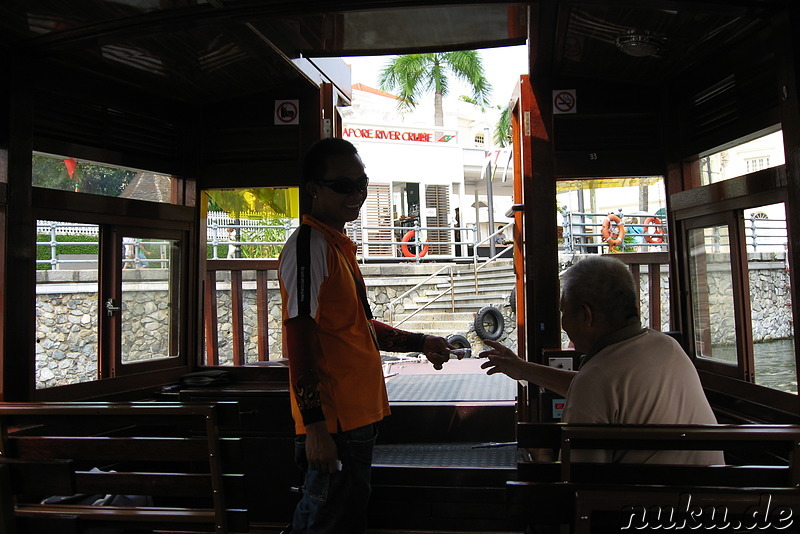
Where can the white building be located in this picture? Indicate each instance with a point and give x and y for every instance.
(420, 174)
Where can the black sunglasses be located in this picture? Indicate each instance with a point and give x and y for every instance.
(345, 186)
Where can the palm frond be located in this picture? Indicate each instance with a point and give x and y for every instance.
(502, 130)
(402, 76)
(468, 66)
(412, 76)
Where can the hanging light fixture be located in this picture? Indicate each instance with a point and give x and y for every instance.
(638, 44)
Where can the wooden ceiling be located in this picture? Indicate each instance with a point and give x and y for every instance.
(684, 34)
(208, 50)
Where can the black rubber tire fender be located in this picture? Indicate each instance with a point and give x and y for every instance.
(459, 341)
(489, 323)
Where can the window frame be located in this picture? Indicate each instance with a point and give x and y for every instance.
(743, 369)
(114, 333)
(716, 202)
(117, 216)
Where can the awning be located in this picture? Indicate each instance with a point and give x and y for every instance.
(598, 183)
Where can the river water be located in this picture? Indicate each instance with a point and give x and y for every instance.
(775, 363)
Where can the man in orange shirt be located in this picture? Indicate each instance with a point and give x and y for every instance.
(332, 343)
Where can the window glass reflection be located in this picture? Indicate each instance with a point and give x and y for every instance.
(150, 289)
(712, 293)
(769, 285)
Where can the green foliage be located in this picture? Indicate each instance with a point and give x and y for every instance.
(273, 231)
(264, 234)
(414, 75)
(222, 251)
(70, 246)
(628, 240)
(502, 130)
(50, 172)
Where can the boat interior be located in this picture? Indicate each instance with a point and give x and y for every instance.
(190, 89)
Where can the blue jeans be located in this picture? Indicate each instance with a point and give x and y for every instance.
(337, 502)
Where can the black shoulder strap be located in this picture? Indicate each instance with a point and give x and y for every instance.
(303, 252)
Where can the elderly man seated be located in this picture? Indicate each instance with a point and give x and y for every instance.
(628, 374)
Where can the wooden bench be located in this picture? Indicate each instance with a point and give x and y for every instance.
(30, 477)
(761, 473)
(170, 452)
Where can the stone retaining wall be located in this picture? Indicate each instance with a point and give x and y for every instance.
(67, 313)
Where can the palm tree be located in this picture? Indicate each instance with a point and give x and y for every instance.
(414, 75)
(502, 130)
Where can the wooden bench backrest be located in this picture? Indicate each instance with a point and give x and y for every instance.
(773, 447)
(25, 477)
(171, 452)
(563, 490)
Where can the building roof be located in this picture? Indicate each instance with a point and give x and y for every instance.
(368, 89)
(149, 186)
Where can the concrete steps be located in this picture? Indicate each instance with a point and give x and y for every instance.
(495, 284)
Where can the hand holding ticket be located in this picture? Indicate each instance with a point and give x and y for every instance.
(462, 353)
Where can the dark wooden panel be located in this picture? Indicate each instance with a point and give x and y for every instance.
(448, 423)
(609, 162)
(757, 189)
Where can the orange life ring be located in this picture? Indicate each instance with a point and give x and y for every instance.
(407, 252)
(656, 235)
(609, 236)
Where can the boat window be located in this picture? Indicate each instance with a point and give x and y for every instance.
(711, 281)
(111, 276)
(150, 299)
(770, 297)
(65, 173)
(67, 256)
(250, 223)
(635, 205)
(137, 311)
(624, 216)
(761, 153)
(243, 312)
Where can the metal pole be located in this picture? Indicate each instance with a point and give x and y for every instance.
(452, 292)
(582, 210)
(490, 201)
(53, 244)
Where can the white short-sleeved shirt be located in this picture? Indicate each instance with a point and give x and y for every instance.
(646, 379)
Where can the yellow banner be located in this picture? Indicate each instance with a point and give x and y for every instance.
(256, 203)
(599, 183)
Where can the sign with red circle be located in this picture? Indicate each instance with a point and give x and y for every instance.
(564, 101)
(287, 112)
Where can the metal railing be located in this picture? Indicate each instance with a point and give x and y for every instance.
(376, 243)
(394, 302)
(494, 255)
(580, 233)
(133, 257)
(451, 290)
(382, 243)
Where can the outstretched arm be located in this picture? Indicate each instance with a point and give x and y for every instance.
(435, 348)
(503, 360)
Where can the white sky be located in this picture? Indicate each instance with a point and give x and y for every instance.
(503, 67)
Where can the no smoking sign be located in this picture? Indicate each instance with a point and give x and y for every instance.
(564, 101)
